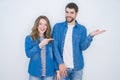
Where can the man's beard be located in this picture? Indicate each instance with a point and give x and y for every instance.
(72, 19)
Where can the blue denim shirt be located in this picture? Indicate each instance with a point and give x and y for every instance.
(80, 42)
(34, 52)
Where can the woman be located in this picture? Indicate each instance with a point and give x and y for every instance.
(38, 47)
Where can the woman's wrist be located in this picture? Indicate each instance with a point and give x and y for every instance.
(40, 45)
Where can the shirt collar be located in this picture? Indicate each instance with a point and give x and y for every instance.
(76, 23)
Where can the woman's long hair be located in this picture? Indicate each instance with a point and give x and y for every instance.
(35, 32)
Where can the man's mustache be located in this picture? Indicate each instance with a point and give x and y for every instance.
(68, 17)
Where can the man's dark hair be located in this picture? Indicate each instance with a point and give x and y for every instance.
(72, 6)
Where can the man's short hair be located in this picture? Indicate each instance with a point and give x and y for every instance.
(72, 6)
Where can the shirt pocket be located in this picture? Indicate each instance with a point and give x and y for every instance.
(77, 38)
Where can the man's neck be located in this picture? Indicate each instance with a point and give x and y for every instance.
(72, 23)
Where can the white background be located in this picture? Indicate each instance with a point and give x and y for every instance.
(17, 18)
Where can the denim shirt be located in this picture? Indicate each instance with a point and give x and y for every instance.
(34, 53)
(80, 42)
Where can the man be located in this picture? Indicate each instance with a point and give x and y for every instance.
(70, 39)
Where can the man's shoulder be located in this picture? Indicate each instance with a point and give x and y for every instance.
(60, 23)
(80, 26)
(59, 26)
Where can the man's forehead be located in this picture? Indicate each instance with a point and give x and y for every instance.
(70, 9)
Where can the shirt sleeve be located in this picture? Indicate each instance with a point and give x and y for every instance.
(85, 40)
(56, 49)
(30, 47)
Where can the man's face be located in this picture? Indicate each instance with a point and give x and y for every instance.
(70, 15)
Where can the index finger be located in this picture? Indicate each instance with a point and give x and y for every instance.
(102, 31)
(50, 39)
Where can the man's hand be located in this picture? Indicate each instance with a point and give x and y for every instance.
(44, 42)
(96, 32)
(63, 70)
(58, 77)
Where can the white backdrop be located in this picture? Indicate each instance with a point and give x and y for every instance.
(17, 18)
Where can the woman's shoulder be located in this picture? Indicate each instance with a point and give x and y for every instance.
(28, 37)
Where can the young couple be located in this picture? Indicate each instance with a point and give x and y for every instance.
(61, 52)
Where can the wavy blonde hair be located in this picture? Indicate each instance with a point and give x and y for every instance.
(35, 32)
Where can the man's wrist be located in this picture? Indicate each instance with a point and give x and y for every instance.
(91, 35)
(57, 71)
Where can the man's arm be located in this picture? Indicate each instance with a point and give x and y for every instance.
(56, 49)
(86, 40)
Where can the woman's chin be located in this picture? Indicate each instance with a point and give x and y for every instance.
(42, 32)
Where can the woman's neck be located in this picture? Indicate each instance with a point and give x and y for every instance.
(41, 35)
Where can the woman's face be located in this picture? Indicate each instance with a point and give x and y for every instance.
(42, 27)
